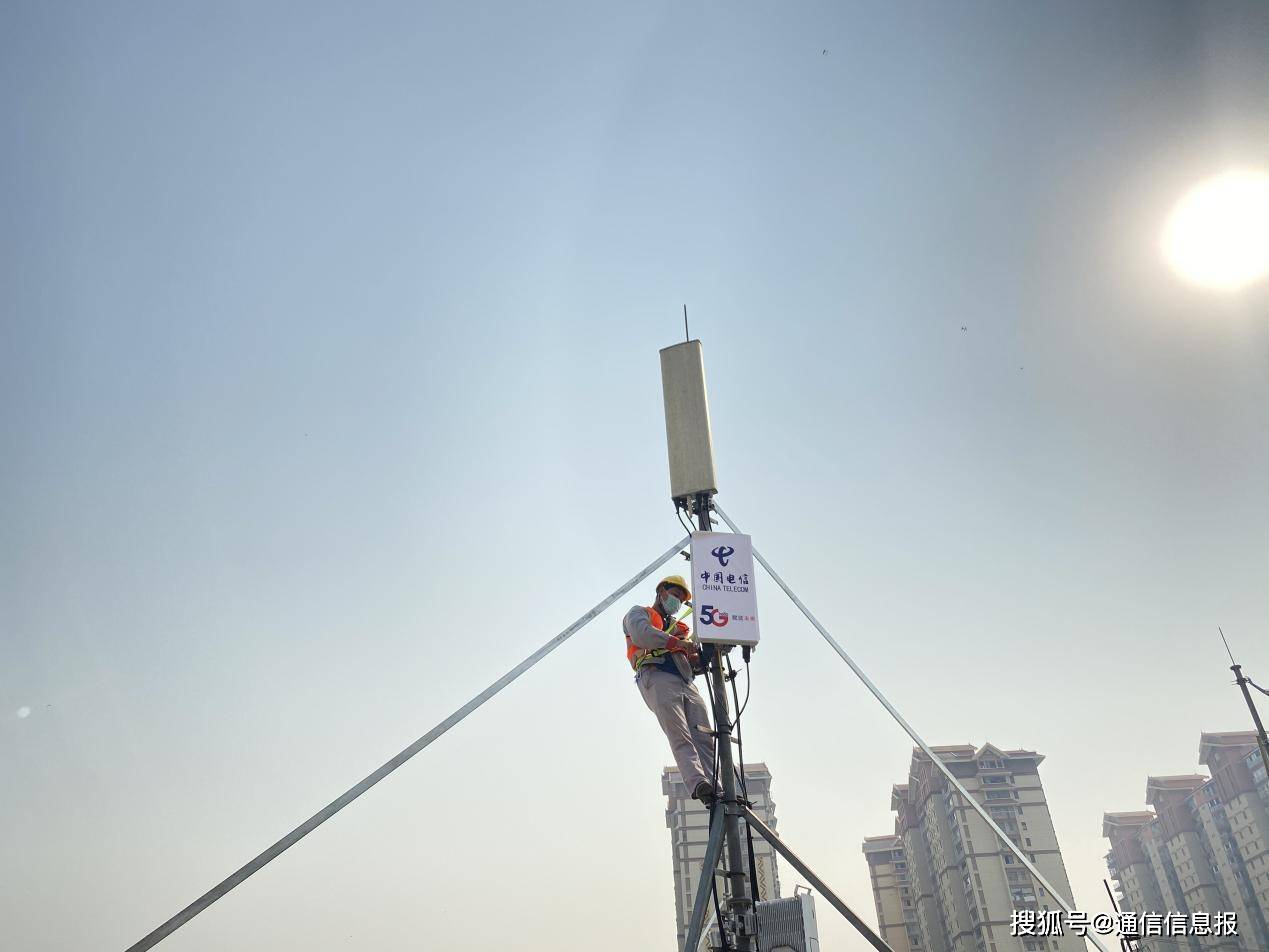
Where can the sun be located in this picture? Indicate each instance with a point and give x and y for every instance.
(1217, 236)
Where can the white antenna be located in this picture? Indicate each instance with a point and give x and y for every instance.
(687, 430)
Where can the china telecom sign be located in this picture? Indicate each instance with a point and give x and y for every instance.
(723, 596)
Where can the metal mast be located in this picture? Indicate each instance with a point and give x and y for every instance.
(739, 904)
(692, 485)
(1242, 681)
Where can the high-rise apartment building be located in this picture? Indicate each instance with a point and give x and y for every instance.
(688, 822)
(943, 882)
(1204, 848)
(892, 893)
(1129, 863)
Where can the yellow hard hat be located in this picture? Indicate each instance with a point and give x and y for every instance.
(676, 580)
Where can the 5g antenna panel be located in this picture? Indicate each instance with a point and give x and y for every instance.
(687, 431)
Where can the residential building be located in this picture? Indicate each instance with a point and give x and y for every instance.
(948, 884)
(1203, 848)
(1129, 865)
(892, 893)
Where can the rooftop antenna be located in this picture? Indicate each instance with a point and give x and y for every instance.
(686, 336)
(1242, 681)
(1227, 651)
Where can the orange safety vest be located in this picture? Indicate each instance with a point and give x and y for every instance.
(638, 657)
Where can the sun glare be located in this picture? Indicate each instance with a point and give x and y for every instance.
(1218, 234)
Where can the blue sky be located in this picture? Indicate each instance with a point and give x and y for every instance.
(330, 390)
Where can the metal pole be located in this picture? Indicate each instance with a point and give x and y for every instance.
(1261, 740)
(739, 905)
(769, 835)
(697, 926)
(317, 819)
(911, 732)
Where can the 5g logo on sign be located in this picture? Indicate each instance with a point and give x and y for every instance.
(709, 615)
(723, 553)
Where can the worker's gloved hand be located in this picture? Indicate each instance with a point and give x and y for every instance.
(694, 658)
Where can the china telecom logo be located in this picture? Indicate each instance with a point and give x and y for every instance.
(723, 553)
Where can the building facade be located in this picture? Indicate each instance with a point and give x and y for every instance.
(892, 892)
(1203, 847)
(688, 822)
(943, 882)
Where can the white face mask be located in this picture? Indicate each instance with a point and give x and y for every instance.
(670, 604)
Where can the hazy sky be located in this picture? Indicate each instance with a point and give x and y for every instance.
(329, 390)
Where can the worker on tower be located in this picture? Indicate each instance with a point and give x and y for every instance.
(666, 658)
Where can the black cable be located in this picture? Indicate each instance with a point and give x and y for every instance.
(744, 787)
(740, 743)
(748, 685)
(740, 709)
(718, 909)
(713, 706)
(715, 805)
(679, 513)
(1255, 685)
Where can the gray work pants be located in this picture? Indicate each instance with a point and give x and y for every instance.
(683, 716)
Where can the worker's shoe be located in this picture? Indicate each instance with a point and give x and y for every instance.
(704, 792)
